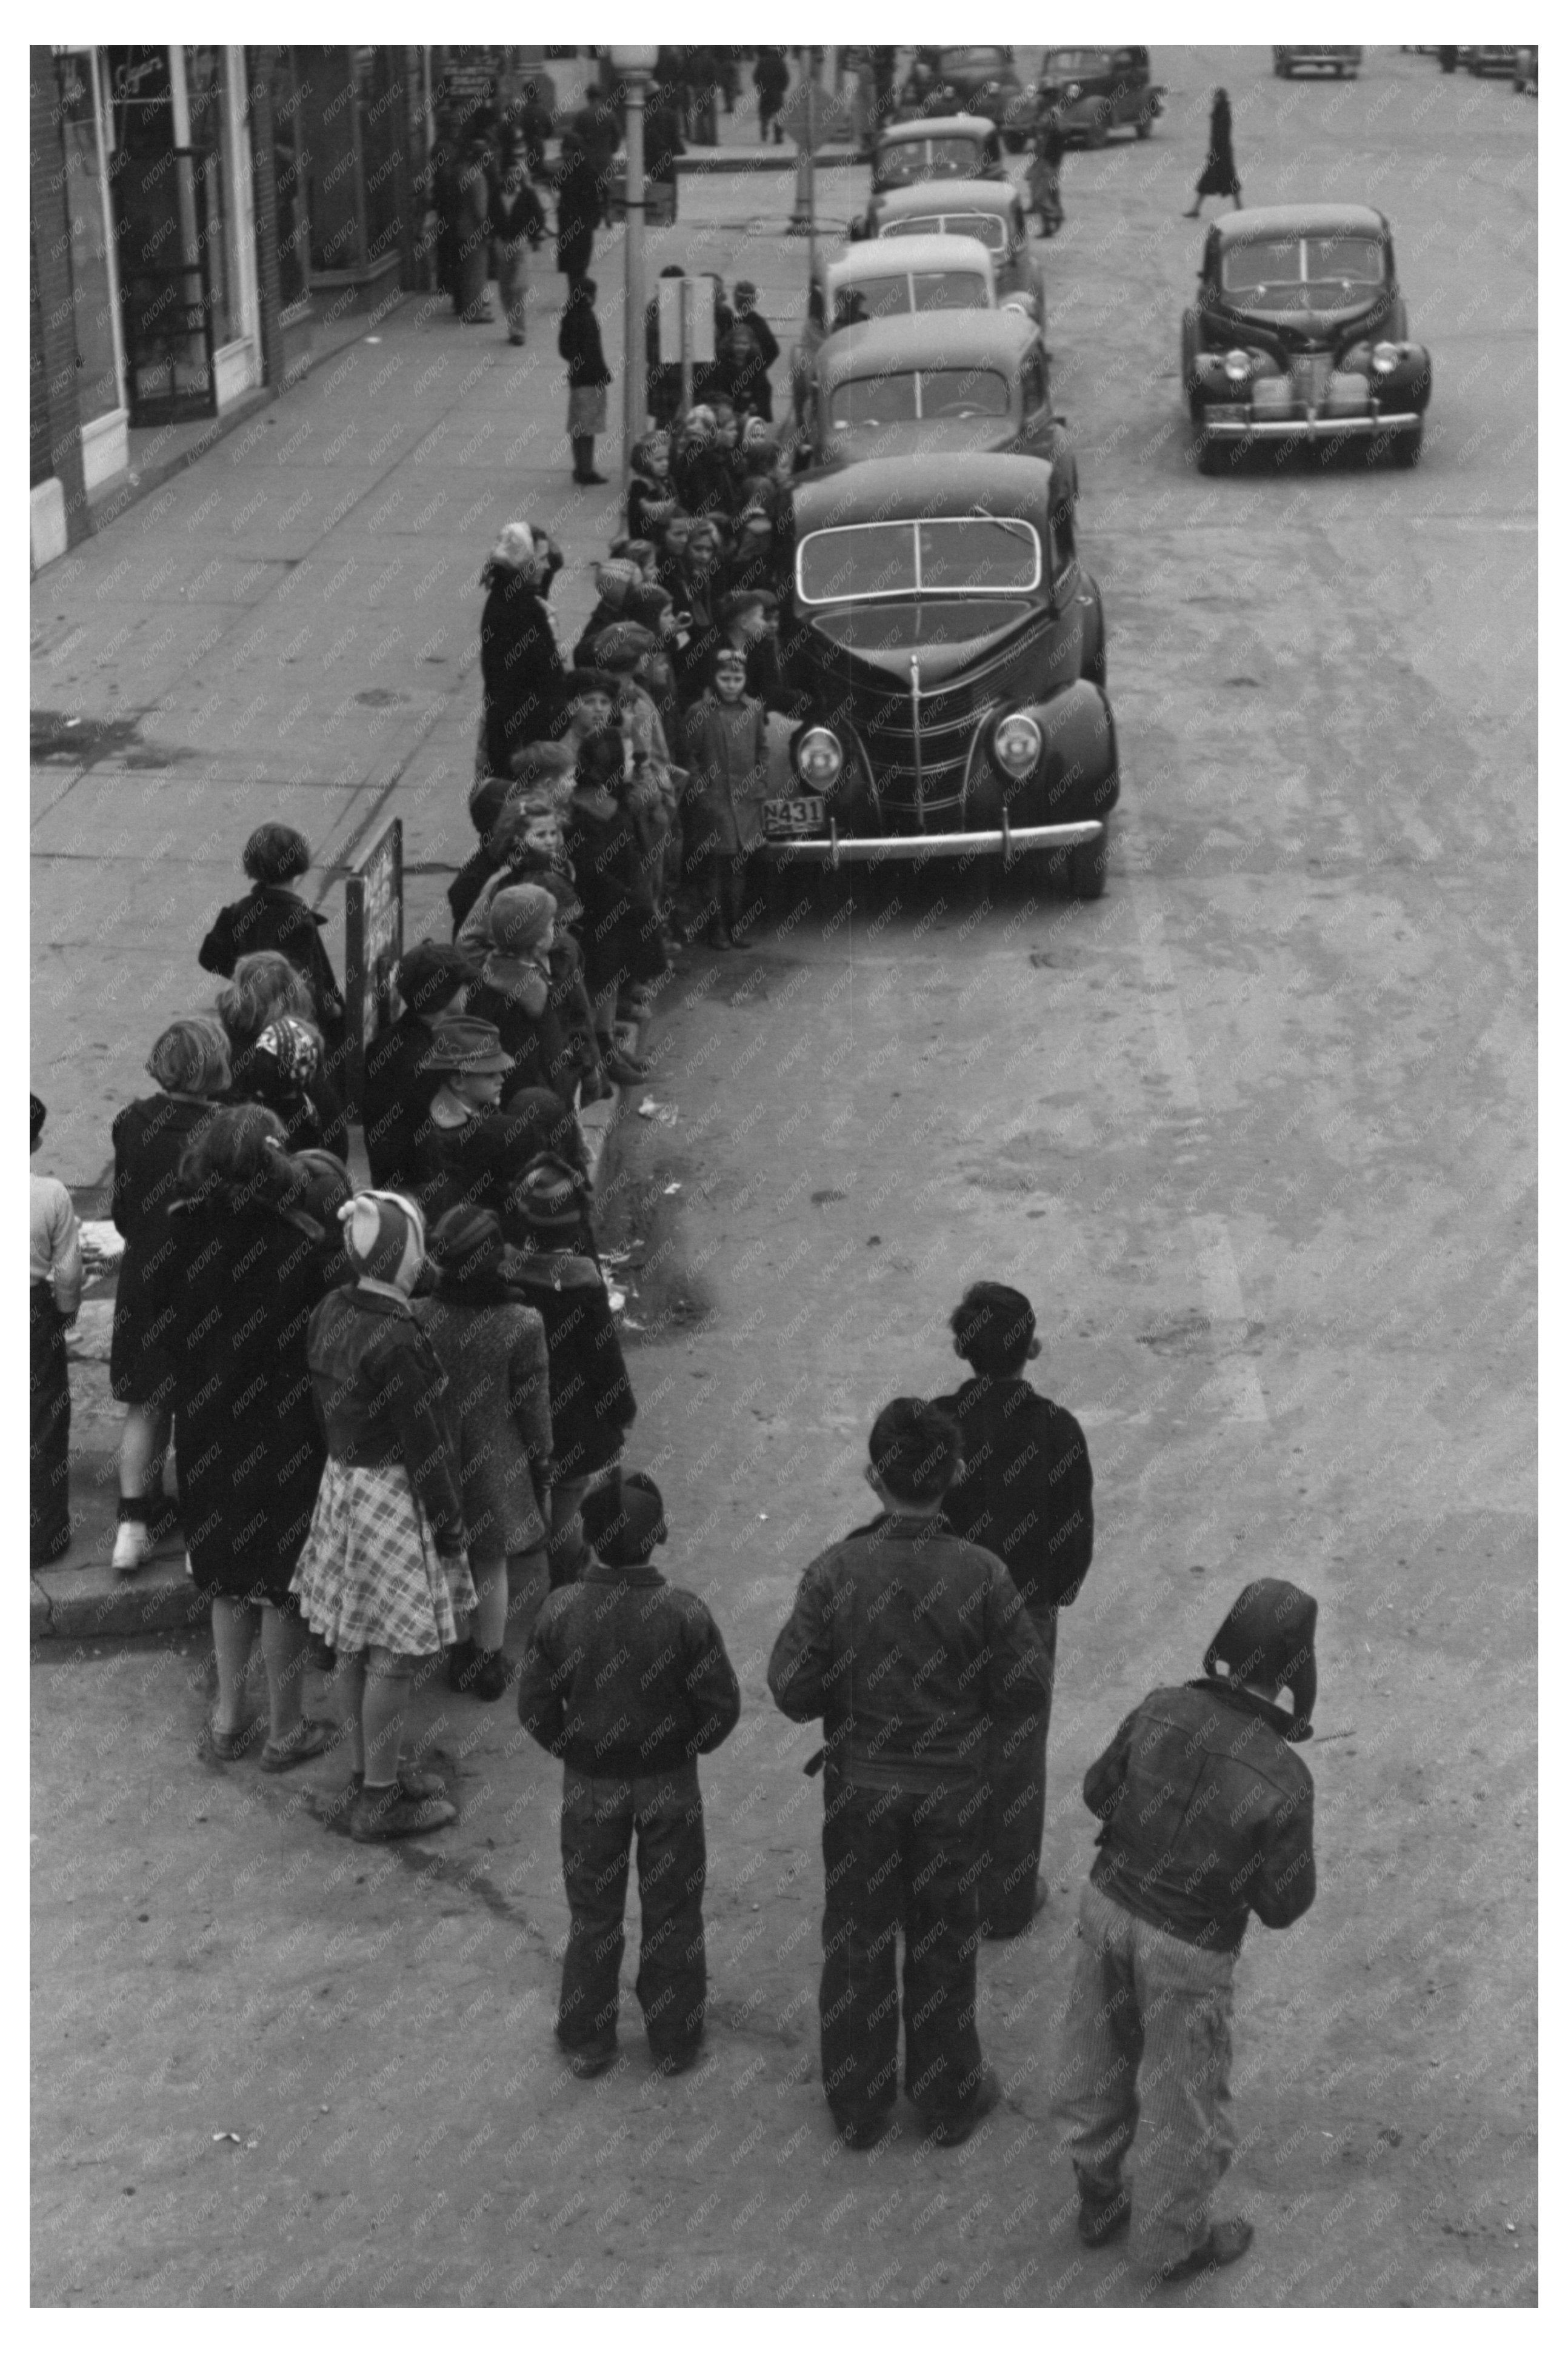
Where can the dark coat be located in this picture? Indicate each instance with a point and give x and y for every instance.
(481, 1161)
(396, 1097)
(619, 931)
(521, 664)
(312, 1115)
(515, 218)
(542, 1055)
(591, 1401)
(274, 917)
(662, 143)
(625, 1674)
(1025, 1492)
(580, 346)
(1218, 177)
(379, 1390)
(239, 1290)
(772, 81)
(579, 209)
(151, 1137)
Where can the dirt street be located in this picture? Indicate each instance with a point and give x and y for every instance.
(1256, 1133)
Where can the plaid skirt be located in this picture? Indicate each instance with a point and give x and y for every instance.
(369, 1571)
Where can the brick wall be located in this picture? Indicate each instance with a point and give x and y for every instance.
(56, 439)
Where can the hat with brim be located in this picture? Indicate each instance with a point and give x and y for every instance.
(466, 1046)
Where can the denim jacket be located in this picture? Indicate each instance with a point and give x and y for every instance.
(378, 1390)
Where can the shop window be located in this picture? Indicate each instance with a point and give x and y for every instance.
(92, 287)
(288, 181)
(207, 96)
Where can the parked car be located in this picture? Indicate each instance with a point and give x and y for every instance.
(1322, 56)
(887, 280)
(1527, 70)
(986, 82)
(937, 147)
(1299, 336)
(932, 385)
(1488, 60)
(950, 652)
(1092, 93)
(977, 208)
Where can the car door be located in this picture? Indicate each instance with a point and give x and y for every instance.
(1037, 429)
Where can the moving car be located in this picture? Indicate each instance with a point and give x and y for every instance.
(938, 147)
(885, 279)
(1299, 336)
(927, 385)
(986, 82)
(978, 208)
(950, 651)
(1092, 93)
(1323, 57)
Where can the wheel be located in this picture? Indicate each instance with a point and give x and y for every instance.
(1405, 448)
(1087, 867)
(1098, 131)
(1143, 127)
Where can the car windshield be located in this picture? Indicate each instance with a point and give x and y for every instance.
(1302, 273)
(907, 161)
(987, 228)
(895, 298)
(972, 60)
(977, 555)
(922, 392)
(1077, 61)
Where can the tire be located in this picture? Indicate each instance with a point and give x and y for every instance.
(1143, 127)
(1405, 448)
(1087, 867)
(1098, 132)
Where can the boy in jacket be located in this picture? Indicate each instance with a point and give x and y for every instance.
(1206, 1815)
(274, 916)
(627, 1681)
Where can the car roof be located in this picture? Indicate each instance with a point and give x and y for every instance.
(899, 489)
(1298, 220)
(937, 126)
(926, 338)
(947, 196)
(899, 255)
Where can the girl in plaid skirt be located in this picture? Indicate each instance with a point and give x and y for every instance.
(384, 1568)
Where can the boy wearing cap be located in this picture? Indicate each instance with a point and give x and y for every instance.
(431, 979)
(1206, 1815)
(626, 1680)
(727, 747)
(1027, 1494)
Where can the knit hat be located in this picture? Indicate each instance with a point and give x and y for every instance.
(585, 682)
(519, 917)
(1268, 1637)
(623, 1525)
(745, 291)
(515, 547)
(464, 1044)
(294, 1046)
(615, 578)
(431, 974)
(623, 645)
(551, 1198)
(467, 1242)
(384, 1236)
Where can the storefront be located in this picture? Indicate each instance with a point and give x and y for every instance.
(94, 285)
(348, 152)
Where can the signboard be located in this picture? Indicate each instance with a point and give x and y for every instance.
(696, 295)
(374, 915)
(813, 117)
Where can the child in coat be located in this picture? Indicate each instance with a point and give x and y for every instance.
(627, 1681)
(274, 916)
(727, 752)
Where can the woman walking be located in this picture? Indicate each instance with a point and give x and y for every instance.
(248, 1263)
(1218, 177)
(491, 1349)
(384, 1570)
(519, 224)
(587, 378)
(471, 296)
(151, 1136)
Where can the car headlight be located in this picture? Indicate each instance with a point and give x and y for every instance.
(1237, 366)
(1385, 358)
(1074, 89)
(820, 756)
(1016, 744)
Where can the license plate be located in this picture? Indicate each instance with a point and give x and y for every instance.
(806, 814)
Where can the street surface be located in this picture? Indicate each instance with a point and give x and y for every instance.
(1256, 1133)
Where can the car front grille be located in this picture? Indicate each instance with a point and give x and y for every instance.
(918, 746)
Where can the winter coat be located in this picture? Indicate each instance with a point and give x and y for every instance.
(1218, 177)
(380, 1391)
(1025, 1492)
(151, 1137)
(237, 1291)
(727, 760)
(312, 1115)
(497, 1408)
(580, 344)
(521, 667)
(649, 505)
(591, 1402)
(619, 931)
(274, 917)
(625, 1674)
(517, 218)
(579, 209)
(397, 1094)
(515, 996)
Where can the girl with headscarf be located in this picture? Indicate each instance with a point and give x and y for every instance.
(384, 1568)
(277, 1054)
(520, 660)
(1218, 176)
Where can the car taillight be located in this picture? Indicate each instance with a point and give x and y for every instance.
(1016, 744)
(820, 756)
(1237, 366)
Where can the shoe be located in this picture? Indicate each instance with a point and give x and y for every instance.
(677, 2062)
(591, 481)
(593, 1087)
(517, 339)
(312, 1739)
(591, 2059)
(1226, 2243)
(624, 1068)
(460, 1661)
(864, 2132)
(638, 1006)
(1190, 213)
(1102, 2216)
(411, 1781)
(952, 2132)
(390, 1813)
(228, 1747)
(1037, 1905)
(132, 1547)
(493, 1674)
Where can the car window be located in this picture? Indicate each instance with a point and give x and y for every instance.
(977, 555)
(919, 393)
(873, 298)
(950, 290)
(1077, 61)
(962, 392)
(1349, 261)
(874, 400)
(1290, 272)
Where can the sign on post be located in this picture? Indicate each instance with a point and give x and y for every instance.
(813, 117)
(374, 921)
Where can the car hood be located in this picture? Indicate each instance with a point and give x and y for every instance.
(940, 437)
(1303, 330)
(951, 635)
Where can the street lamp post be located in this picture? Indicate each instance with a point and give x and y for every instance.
(634, 69)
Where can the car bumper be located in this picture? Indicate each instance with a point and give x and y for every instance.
(861, 850)
(1359, 427)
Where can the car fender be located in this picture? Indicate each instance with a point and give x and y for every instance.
(1077, 775)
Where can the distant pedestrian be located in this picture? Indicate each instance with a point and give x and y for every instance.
(579, 209)
(517, 220)
(398, 1088)
(471, 296)
(910, 1645)
(771, 77)
(587, 378)
(275, 916)
(497, 1406)
(1218, 176)
(383, 1570)
(248, 1263)
(520, 660)
(152, 1137)
(55, 1278)
(1027, 1494)
(662, 144)
(1044, 173)
(627, 1681)
(1206, 1815)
